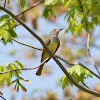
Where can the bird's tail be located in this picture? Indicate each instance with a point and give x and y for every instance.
(39, 71)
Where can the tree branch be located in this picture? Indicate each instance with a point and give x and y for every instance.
(85, 85)
(71, 64)
(25, 44)
(67, 62)
(88, 39)
(2, 97)
(90, 54)
(4, 3)
(51, 54)
(30, 7)
(26, 68)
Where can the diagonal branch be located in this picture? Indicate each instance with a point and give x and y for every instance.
(51, 54)
(2, 97)
(67, 62)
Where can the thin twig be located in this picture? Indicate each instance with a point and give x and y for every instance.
(4, 3)
(71, 64)
(67, 62)
(85, 85)
(2, 97)
(25, 44)
(26, 68)
(52, 55)
(88, 39)
(30, 7)
(90, 54)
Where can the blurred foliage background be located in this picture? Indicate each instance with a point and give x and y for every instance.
(73, 49)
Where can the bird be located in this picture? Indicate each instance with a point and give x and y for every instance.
(53, 44)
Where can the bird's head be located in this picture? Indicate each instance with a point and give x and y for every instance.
(55, 31)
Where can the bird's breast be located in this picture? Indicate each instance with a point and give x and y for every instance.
(53, 46)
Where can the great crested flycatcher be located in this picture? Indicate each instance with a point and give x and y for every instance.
(53, 44)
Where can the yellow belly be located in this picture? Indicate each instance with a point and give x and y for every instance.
(52, 46)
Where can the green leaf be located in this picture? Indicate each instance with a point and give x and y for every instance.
(10, 83)
(7, 36)
(64, 81)
(1, 78)
(17, 0)
(27, 81)
(47, 11)
(66, 3)
(1, 68)
(52, 2)
(98, 98)
(12, 23)
(19, 64)
(23, 88)
(78, 73)
(8, 66)
(6, 32)
(11, 66)
(4, 17)
(70, 99)
(7, 77)
(22, 3)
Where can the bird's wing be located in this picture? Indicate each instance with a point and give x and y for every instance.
(43, 51)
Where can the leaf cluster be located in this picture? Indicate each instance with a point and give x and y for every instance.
(11, 70)
(6, 29)
(79, 13)
(78, 73)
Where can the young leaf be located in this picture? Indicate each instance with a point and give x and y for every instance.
(4, 17)
(47, 11)
(17, 87)
(7, 77)
(19, 64)
(78, 73)
(1, 93)
(6, 32)
(22, 3)
(98, 98)
(23, 88)
(1, 78)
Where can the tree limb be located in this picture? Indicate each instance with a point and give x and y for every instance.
(51, 54)
(30, 7)
(90, 54)
(88, 39)
(4, 3)
(25, 68)
(25, 44)
(67, 62)
(2, 97)
(71, 64)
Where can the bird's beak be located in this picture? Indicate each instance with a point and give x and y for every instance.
(60, 29)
